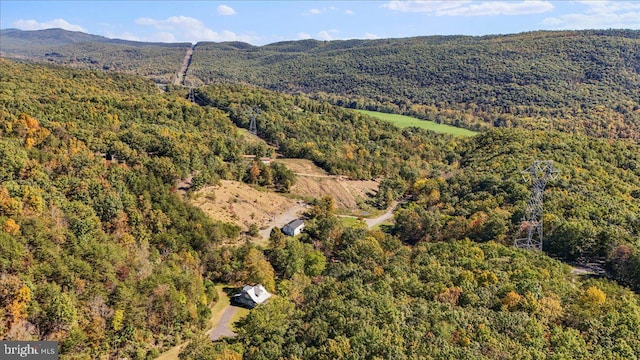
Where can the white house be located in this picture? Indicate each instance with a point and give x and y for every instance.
(250, 296)
(293, 228)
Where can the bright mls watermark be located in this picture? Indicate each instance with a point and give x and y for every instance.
(32, 350)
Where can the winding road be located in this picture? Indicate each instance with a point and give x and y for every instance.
(382, 218)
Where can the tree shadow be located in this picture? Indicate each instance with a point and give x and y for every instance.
(231, 291)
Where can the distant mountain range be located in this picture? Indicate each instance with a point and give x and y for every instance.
(573, 81)
(17, 40)
(158, 61)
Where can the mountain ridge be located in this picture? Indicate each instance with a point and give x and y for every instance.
(66, 37)
(80, 36)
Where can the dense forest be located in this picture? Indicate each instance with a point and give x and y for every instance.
(584, 82)
(104, 255)
(107, 258)
(377, 298)
(592, 210)
(464, 187)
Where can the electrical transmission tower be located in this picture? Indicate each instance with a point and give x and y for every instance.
(253, 128)
(191, 95)
(541, 172)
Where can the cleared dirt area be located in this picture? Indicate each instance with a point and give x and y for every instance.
(314, 182)
(238, 203)
(302, 166)
(241, 204)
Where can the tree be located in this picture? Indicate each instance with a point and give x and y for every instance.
(18, 308)
(11, 227)
(593, 297)
(283, 178)
(259, 270)
(277, 239)
(315, 263)
(58, 310)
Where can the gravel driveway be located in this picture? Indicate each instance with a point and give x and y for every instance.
(224, 325)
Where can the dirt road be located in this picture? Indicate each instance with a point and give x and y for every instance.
(382, 218)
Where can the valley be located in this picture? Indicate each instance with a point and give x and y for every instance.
(124, 210)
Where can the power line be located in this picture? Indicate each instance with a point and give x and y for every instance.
(541, 172)
(253, 128)
(191, 95)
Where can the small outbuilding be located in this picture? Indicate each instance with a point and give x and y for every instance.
(250, 296)
(293, 228)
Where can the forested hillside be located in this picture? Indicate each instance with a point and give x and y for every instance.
(592, 211)
(377, 298)
(105, 257)
(585, 82)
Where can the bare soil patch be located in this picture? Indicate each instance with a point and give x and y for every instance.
(238, 203)
(303, 166)
(312, 181)
(241, 204)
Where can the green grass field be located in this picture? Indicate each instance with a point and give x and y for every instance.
(403, 121)
(352, 222)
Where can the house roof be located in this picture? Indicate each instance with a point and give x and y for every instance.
(257, 293)
(295, 223)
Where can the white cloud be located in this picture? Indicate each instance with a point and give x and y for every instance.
(324, 35)
(600, 7)
(55, 23)
(500, 8)
(327, 35)
(226, 10)
(334, 34)
(319, 11)
(370, 36)
(171, 23)
(422, 5)
(599, 15)
(349, 12)
(124, 36)
(184, 28)
(163, 36)
(469, 8)
(594, 21)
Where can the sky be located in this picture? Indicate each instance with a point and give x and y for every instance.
(263, 22)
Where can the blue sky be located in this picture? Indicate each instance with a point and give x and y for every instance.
(263, 22)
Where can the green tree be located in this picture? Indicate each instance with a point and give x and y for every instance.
(259, 270)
